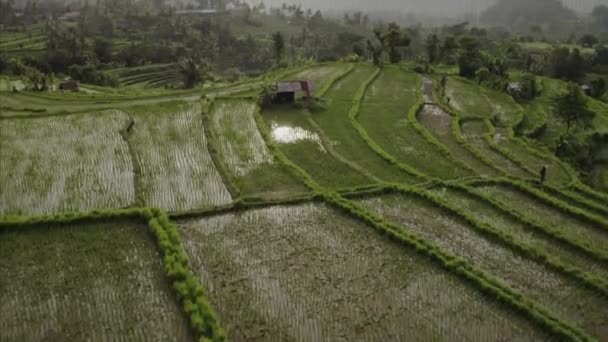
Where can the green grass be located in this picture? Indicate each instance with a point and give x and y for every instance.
(243, 154)
(297, 138)
(86, 281)
(345, 140)
(384, 115)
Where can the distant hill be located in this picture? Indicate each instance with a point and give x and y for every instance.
(515, 13)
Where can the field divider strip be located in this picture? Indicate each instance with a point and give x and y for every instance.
(484, 283)
(354, 112)
(597, 222)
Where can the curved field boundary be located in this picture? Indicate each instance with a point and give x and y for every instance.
(596, 221)
(354, 112)
(452, 263)
(189, 291)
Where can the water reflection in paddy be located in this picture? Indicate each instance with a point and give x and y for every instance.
(292, 135)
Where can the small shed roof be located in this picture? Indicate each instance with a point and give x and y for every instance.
(293, 86)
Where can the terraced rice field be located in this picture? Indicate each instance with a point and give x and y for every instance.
(384, 115)
(293, 132)
(474, 133)
(69, 163)
(243, 152)
(321, 74)
(576, 228)
(177, 171)
(308, 273)
(371, 219)
(88, 282)
(553, 290)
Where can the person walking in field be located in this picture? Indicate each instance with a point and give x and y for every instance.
(543, 174)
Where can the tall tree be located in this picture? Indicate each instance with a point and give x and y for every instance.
(278, 43)
(433, 48)
(571, 108)
(395, 40)
(194, 72)
(469, 60)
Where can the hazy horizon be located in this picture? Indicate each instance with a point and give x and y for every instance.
(445, 8)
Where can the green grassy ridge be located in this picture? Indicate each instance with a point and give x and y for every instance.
(484, 283)
(189, 291)
(596, 221)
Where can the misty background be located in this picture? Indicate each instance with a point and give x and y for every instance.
(440, 8)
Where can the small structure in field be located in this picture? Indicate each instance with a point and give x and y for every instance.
(287, 90)
(69, 85)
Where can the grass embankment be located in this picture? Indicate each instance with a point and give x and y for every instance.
(391, 100)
